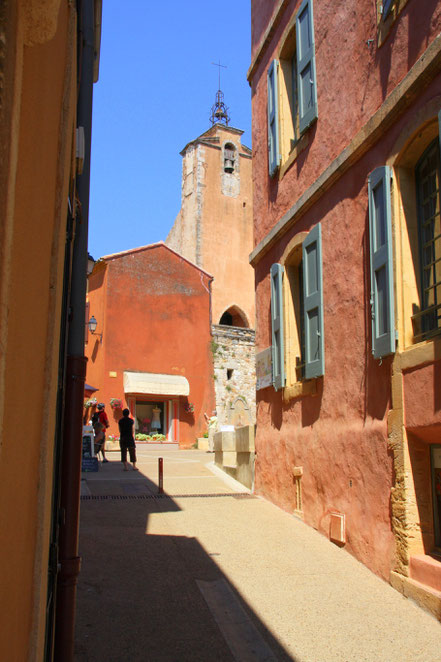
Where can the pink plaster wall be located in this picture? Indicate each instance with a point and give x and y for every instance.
(353, 80)
(154, 310)
(422, 401)
(340, 435)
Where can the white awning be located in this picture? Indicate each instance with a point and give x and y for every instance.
(155, 384)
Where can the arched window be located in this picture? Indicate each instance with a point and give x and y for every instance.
(229, 158)
(234, 317)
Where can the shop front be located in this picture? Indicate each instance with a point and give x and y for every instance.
(153, 400)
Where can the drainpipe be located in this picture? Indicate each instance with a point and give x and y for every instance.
(69, 561)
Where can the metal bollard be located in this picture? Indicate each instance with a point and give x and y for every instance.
(160, 475)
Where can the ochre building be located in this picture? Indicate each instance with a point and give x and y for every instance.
(214, 228)
(152, 345)
(44, 180)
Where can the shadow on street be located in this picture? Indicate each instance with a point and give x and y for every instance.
(154, 597)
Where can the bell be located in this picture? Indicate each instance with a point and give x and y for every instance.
(228, 165)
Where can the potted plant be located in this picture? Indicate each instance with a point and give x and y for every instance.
(116, 403)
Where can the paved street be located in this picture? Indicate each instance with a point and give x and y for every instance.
(210, 573)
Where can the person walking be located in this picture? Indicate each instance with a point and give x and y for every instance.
(98, 429)
(104, 420)
(127, 440)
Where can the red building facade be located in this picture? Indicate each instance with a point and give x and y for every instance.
(152, 345)
(346, 167)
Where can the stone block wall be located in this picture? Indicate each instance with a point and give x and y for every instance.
(234, 454)
(234, 375)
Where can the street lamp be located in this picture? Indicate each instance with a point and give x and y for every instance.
(92, 324)
(90, 264)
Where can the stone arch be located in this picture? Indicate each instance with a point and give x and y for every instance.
(230, 157)
(234, 316)
(239, 413)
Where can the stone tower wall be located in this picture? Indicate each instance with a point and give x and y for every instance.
(235, 391)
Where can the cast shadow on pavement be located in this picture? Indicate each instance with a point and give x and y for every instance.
(153, 598)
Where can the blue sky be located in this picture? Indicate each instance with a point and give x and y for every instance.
(154, 95)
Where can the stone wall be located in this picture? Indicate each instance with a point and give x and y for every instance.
(234, 454)
(234, 375)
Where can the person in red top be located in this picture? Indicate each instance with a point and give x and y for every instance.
(104, 420)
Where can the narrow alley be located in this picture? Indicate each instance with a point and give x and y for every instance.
(208, 572)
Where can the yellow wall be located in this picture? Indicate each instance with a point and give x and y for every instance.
(227, 234)
(214, 228)
(37, 135)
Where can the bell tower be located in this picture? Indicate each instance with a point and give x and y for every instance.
(214, 229)
(219, 112)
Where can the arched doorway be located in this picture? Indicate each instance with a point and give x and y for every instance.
(234, 316)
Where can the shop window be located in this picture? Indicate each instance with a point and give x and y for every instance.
(297, 313)
(149, 417)
(292, 89)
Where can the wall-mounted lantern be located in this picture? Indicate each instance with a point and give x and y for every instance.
(92, 328)
(90, 264)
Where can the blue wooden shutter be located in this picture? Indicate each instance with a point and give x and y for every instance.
(382, 279)
(278, 352)
(306, 78)
(386, 7)
(313, 304)
(273, 119)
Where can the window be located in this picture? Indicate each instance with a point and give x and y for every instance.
(229, 158)
(436, 491)
(382, 285)
(292, 88)
(295, 321)
(427, 181)
(416, 296)
(297, 313)
(418, 230)
(388, 11)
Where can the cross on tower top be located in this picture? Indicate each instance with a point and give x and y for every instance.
(219, 112)
(219, 65)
